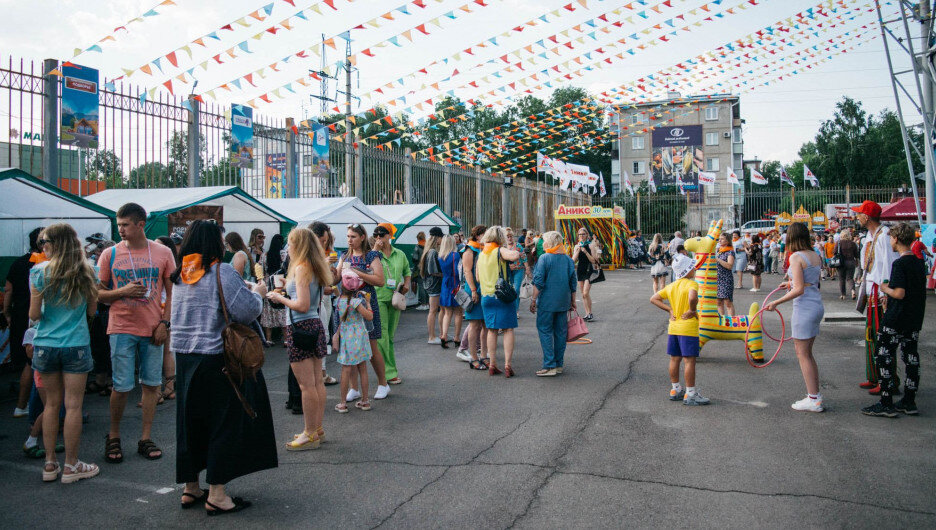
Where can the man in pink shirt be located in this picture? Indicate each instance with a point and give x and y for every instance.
(134, 276)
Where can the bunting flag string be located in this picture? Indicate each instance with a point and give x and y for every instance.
(112, 36)
(408, 35)
(176, 57)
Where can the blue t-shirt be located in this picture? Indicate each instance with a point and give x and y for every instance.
(61, 325)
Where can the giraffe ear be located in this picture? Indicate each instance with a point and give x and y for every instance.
(719, 225)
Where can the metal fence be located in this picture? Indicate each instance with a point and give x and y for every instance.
(160, 141)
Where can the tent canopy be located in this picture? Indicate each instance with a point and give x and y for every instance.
(336, 212)
(410, 219)
(241, 212)
(31, 203)
(903, 210)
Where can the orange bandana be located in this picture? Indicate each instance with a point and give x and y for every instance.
(728, 248)
(474, 245)
(558, 249)
(192, 269)
(38, 257)
(488, 247)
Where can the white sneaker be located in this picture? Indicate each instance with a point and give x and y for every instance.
(423, 307)
(755, 290)
(808, 404)
(352, 395)
(382, 392)
(434, 341)
(463, 355)
(20, 413)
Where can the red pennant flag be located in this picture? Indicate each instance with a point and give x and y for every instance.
(422, 29)
(249, 79)
(227, 27)
(266, 98)
(295, 130)
(331, 4)
(172, 59)
(168, 85)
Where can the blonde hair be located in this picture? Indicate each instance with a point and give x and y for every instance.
(307, 250)
(68, 276)
(447, 246)
(495, 234)
(552, 238)
(432, 243)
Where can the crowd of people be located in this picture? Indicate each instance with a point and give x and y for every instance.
(161, 313)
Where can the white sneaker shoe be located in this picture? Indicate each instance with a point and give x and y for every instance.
(755, 290)
(423, 307)
(463, 355)
(382, 392)
(352, 395)
(434, 341)
(20, 413)
(808, 404)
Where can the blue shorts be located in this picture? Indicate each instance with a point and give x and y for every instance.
(69, 360)
(128, 350)
(682, 346)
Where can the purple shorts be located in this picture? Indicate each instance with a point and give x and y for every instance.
(682, 346)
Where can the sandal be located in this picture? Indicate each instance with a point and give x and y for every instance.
(79, 471)
(329, 380)
(444, 344)
(363, 405)
(106, 391)
(239, 504)
(95, 388)
(475, 364)
(36, 451)
(485, 362)
(342, 408)
(195, 499)
(50, 475)
(147, 448)
(167, 393)
(494, 370)
(312, 442)
(112, 451)
(508, 371)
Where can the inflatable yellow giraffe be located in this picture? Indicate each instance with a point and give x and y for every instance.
(712, 325)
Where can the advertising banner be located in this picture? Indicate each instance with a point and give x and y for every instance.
(584, 212)
(677, 156)
(320, 163)
(80, 109)
(180, 220)
(242, 137)
(275, 168)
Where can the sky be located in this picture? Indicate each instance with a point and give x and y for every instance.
(779, 117)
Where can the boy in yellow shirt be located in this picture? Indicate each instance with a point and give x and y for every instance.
(683, 296)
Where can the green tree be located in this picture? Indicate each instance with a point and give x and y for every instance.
(104, 165)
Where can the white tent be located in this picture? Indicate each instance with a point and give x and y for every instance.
(410, 219)
(336, 212)
(28, 202)
(239, 212)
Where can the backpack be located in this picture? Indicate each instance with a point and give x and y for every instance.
(243, 351)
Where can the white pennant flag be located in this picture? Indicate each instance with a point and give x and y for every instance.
(601, 185)
(732, 177)
(809, 177)
(706, 177)
(542, 163)
(651, 183)
(757, 178)
(786, 178)
(627, 183)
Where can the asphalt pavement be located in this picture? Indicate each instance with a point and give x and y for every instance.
(600, 446)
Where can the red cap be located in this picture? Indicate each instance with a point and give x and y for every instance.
(869, 208)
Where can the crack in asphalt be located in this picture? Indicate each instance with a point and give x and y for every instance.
(470, 461)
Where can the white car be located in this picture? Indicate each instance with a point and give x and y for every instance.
(757, 227)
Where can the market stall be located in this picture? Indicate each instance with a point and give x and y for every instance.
(411, 219)
(605, 224)
(336, 212)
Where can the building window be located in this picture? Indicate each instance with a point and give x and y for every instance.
(711, 138)
(637, 142)
(711, 113)
(736, 135)
(306, 160)
(637, 118)
(639, 168)
(711, 164)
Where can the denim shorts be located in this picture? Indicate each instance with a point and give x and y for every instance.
(70, 360)
(129, 350)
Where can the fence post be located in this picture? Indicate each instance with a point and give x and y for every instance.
(505, 204)
(359, 172)
(479, 217)
(540, 208)
(291, 186)
(524, 200)
(50, 158)
(447, 189)
(638, 210)
(194, 153)
(408, 176)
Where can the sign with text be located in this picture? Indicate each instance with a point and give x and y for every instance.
(677, 156)
(583, 212)
(242, 138)
(275, 168)
(80, 109)
(321, 167)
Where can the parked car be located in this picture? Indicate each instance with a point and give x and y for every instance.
(757, 227)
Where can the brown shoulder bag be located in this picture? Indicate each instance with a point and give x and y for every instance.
(243, 351)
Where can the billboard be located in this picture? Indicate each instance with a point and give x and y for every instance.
(275, 168)
(677, 156)
(320, 163)
(80, 111)
(242, 140)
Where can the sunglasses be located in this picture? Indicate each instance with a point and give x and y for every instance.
(44, 241)
(261, 236)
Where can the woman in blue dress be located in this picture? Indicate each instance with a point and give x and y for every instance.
(477, 332)
(804, 272)
(449, 261)
(365, 262)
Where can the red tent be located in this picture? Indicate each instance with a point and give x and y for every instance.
(902, 210)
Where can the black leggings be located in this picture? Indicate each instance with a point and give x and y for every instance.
(846, 273)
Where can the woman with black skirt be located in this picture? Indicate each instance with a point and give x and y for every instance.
(213, 433)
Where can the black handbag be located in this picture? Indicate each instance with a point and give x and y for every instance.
(503, 290)
(599, 278)
(303, 339)
(835, 262)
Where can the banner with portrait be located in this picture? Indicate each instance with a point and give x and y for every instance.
(677, 156)
(275, 169)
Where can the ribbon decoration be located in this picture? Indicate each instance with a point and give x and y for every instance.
(96, 47)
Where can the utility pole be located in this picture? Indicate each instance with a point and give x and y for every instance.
(927, 44)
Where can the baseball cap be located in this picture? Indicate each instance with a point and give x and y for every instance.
(96, 237)
(682, 265)
(869, 208)
(435, 231)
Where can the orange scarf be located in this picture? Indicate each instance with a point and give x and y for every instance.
(38, 257)
(727, 248)
(558, 249)
(192, 269)
(475, 245)
(488, 247)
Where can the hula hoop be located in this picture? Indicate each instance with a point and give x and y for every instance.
(580, 341)
(747, 334)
